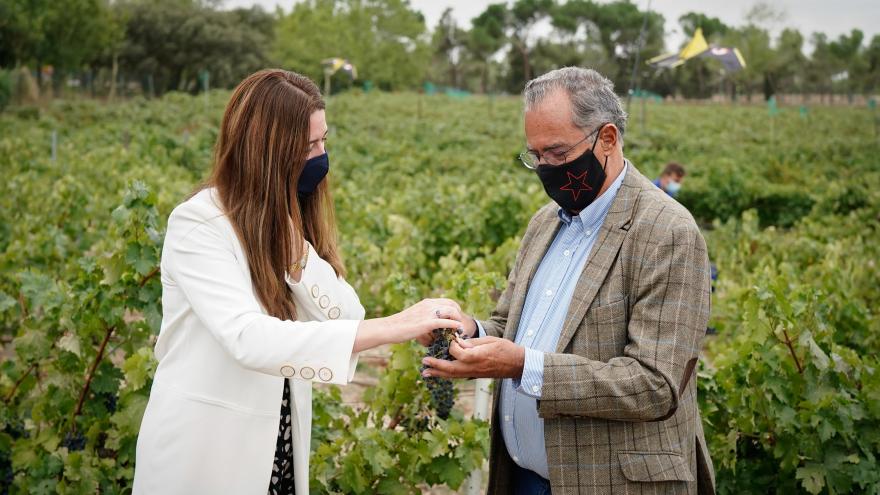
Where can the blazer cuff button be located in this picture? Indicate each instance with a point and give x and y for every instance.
(333, 314)
(324, 302)
(315, 291)
(325, 374)
(307, 373)
(288, 371)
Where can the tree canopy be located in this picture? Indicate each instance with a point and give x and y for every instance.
(165, 44)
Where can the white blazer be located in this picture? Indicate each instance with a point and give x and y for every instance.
(211, 422)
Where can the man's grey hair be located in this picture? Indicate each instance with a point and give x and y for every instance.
(592, 95)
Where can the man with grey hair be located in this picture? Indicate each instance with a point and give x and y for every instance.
(596, 338)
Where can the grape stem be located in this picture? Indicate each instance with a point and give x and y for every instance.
(398, 417)
(148, 276)
(18, 382)
(92, 369)
(23, 305)
(797, 362)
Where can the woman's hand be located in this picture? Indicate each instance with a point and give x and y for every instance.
(415, 322)
(420, 319)
(468, 326)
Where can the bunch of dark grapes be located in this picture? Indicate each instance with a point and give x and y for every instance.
(442, 389)
(74, 441)
(14, 428)
(109, 400)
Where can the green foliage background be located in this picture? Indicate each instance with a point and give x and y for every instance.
(431, 202)
(148, 47)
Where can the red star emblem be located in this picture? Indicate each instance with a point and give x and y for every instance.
(576, 184)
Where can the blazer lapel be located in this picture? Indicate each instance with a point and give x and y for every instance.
(603, 254)
(536, 251)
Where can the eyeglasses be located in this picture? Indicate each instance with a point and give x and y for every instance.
(532, 159)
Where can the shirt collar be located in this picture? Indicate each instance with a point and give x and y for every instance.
(593, 215)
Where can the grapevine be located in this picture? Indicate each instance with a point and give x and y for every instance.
(432, 207)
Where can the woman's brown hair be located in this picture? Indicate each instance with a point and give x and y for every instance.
(260, 154)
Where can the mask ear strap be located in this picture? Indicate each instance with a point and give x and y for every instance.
(605, 165)
(599, 131)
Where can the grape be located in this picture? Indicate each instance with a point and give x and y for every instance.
(6, 473)
(442, 389)
(110, 401)
(74, 441)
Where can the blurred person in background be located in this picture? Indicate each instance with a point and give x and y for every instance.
(671, 178)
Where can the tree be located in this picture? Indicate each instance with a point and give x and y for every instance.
(847, 51)
(522, 18)
(788, 63)
(872, 62)
(486, 37)
(568, 18)
(621, 23)
(385, 39)
(713, 28)
(66, 35)
(754, 43)
(821, 65)
(448, 44)
(578, 39)
(168, 42)
(73, 33)
(20, 30)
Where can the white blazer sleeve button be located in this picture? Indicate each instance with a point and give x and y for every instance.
(288, 371)
(325, 374)
(315, 291)
(307, 373)
(324, 302)
(334, 313)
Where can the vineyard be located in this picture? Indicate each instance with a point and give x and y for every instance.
(431, 201)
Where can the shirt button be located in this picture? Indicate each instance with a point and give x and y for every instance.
(589, 232)
(549, 293)
(530, 332)
(515, 459)
(507, 417)
(567, 252)
(535, 389)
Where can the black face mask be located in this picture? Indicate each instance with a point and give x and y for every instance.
(313, 173)
(576, 184)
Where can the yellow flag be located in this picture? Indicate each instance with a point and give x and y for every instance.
(696, 46)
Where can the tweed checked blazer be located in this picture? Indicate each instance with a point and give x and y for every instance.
(619, 400)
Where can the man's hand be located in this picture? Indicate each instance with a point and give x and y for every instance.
(486, 357)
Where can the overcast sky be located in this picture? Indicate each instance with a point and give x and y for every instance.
(833, 17)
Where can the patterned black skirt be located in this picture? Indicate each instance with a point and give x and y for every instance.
(281, 482)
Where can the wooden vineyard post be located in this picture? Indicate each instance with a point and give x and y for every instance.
(482, 397)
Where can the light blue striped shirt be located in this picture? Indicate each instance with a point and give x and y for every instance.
(540, 325)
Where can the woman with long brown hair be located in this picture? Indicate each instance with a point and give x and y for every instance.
(255, 306)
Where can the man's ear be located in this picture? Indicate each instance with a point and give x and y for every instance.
(608, 137)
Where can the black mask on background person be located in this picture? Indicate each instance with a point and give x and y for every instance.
(313, 173)
(576, 184)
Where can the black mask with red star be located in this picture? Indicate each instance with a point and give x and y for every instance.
(575, 184)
